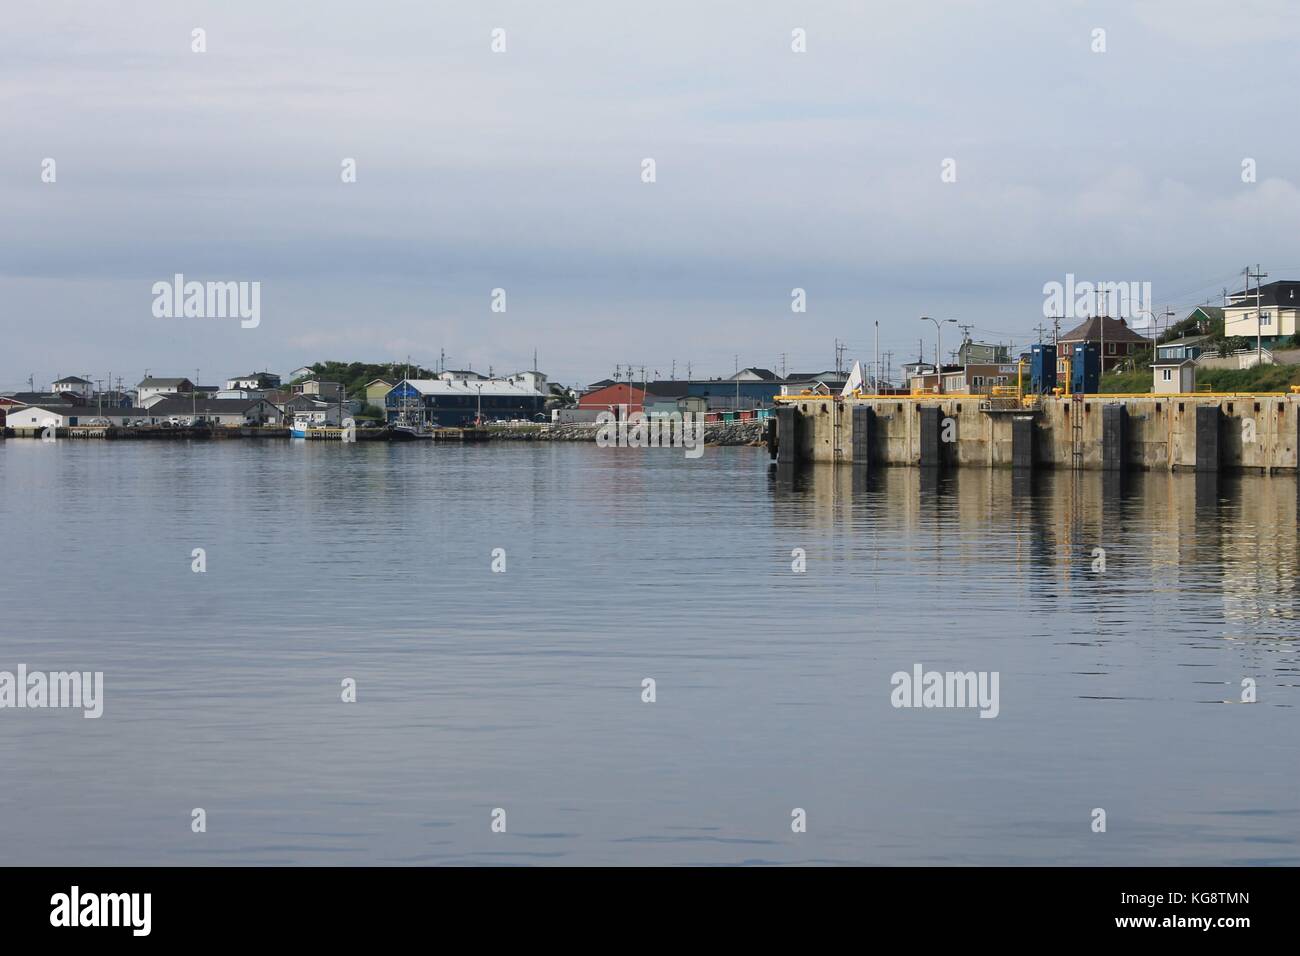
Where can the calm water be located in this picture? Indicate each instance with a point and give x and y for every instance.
(522, 690)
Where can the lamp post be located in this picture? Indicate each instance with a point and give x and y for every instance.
(938, 347)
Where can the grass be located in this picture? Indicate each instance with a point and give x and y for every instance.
(1265, 378)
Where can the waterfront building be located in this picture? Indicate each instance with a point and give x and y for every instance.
(67, 416)
(612, 397)
(216, 411)
(459, 401)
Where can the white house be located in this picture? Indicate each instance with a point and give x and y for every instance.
(166, 387)
(328, 391)
(1174, 376)
(1269, 313)
(258, 381)
(74, 384)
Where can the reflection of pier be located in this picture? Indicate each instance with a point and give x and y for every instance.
(1169, 537)
(1201, 432)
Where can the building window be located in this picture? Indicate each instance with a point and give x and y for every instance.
(1110, 348)
(1167, 375)
(1266, 318)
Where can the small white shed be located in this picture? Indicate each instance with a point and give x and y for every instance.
(1174, 376)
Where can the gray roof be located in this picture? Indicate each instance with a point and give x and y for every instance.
(93, 411)
(163, 382)
(206, 406)
(74, 378)
(1185, 340)
(40, 398)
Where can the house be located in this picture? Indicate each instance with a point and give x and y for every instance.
(304, 372)
(74, 385)
(978, 353)
(306, 412)
(329, 391)
(166, 387)
(827, 382)
(1268, 313)
(40, 398)
(67, 416)
(614, 397)
(376, 390)
(754, 375)
(461, 401)
(1188, 347)
(979, 379)
(217, 411)
(462, 375)
(254, 381)
(1116, 339)
(246, 393)
(1173, 376)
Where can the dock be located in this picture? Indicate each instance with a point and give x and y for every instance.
(1255, 432)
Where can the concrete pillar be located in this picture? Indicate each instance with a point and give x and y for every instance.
(787, 434)
(1114, 436)
(1207, 437)
(1022, 442)
(931, 442)
(864, 424)
(771, 437)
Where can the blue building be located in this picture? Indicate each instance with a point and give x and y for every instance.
(455, 399)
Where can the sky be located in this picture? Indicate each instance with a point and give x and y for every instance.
(522, 170)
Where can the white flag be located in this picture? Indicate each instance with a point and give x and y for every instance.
(855, 381)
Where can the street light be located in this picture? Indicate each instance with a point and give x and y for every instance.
(938, 346)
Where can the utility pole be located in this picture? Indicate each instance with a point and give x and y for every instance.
(1259, 321)
(1040, 329)
(965, 338)
(876, 387)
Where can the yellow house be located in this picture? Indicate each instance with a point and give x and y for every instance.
(1269, 314)
(376, 390)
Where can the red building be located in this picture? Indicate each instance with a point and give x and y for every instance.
(609, 398)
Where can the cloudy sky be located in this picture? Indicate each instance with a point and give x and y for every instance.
(522, 170)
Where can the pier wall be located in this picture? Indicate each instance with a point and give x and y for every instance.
(1258, 433)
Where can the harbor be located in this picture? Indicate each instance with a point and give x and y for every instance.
(1257, 433)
